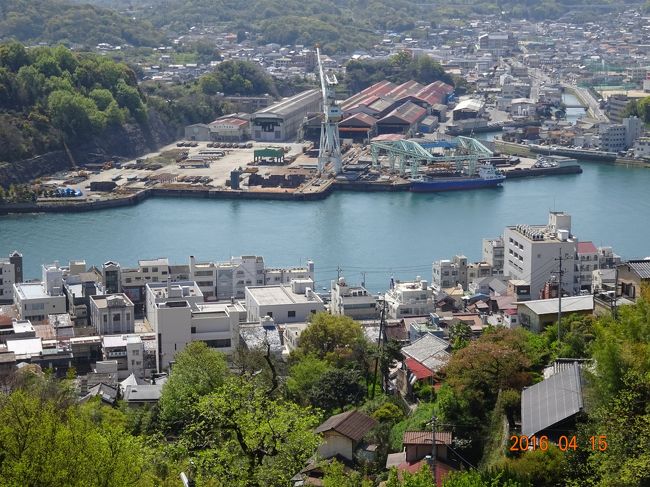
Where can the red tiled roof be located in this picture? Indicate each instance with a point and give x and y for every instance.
(426, 437)
(231, 120)
(442, 469)
(418, 370)
(378, 89)
(586, 248)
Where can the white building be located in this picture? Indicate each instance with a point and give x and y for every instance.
(587, 263)
(225, 280)
(353, 301)
(633, 130)
(410, 299)
(128, 351)
(292, 303)
(532, 253)
(612, 137)
(34, 303)
(177, 323)
(157, 293)
(642, 147)
(112, 314)
(457, 272)
(492, 253)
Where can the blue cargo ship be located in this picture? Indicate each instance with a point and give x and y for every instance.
(487, 177)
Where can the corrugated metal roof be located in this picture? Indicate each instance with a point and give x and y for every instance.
(426, 438)
(429, 350)
(641, 267)
(569, 304)
(553, 400)
(378, 89)
(409, 113)
(352, 424)
(363, 118)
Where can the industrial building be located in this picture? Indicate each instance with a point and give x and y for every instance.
(281, 121)
(229, 128)
(402, 120)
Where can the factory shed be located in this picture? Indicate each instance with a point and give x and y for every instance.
(357, 127)
(281, 121)
(375, 91)
(403, 119)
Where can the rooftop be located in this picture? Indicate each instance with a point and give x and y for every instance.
(569, 304)
(352, 424)
(111, 301)
(426, 438)
(289, 105)
(551, 401)
(641, 267)
(31, 290)
(429, 350)
(278, 295)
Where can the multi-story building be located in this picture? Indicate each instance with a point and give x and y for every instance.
(226, 280)
(112, 314)
(292, 303)
(457, 272)
(586, 263)
(642, 147)
(612, 137)
(414, 298)
(353, 301)
(11, 272)
(128, 351)
(532, 253)
(34, 301)
(112, 277)
(492, 253)
(633, 130)
(497, 43)
(178, 322)
(158, 292)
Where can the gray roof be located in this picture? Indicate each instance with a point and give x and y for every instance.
(641, 267)
(553, 400)
(569, 304)
(143, 393)
(429, 350)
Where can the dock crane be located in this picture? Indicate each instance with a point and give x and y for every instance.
(330, 144)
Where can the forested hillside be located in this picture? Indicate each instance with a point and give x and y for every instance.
(54, 99)
(60, 21)
(341, 25)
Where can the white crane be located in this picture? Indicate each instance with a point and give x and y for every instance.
(330, 143)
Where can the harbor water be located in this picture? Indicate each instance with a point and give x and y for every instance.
(381, 234)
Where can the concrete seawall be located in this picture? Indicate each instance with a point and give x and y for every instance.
(135, 198)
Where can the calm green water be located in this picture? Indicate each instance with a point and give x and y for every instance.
(380, 233)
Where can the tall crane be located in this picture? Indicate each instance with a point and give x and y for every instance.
(330, 143)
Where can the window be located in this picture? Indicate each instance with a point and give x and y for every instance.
(136, 352)
(154, 269)
(105, 319)
(223, 343)
(116, 318)
(128, 317)
(269, 314)
(193, 329)
(291, 314)
(128, 280)
(145, 269)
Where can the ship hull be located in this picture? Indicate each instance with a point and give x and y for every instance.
(453, 184)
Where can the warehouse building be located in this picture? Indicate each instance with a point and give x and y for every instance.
(402, 120)
(229, 128)
(281, 121)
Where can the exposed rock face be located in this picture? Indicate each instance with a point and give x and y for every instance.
(128, 141)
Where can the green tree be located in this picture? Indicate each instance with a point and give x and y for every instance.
(243, 436)
(336, 389)
(304, 375)
(460, 334)
(198, 371)
(332, 338)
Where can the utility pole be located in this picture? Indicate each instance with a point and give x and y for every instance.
(559, 297)
(338, 273)
(434, 451)
(614, 310)
(363, 282)
(380, 343)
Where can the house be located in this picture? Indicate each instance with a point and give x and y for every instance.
(632, 276)
(551, 407)
(342, 433)
(423, 359)
(536, 315)
(137, 395)
(419, 444)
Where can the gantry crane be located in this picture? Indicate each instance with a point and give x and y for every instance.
(330, 143)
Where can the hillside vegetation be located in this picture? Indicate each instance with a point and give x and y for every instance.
(58, 21)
